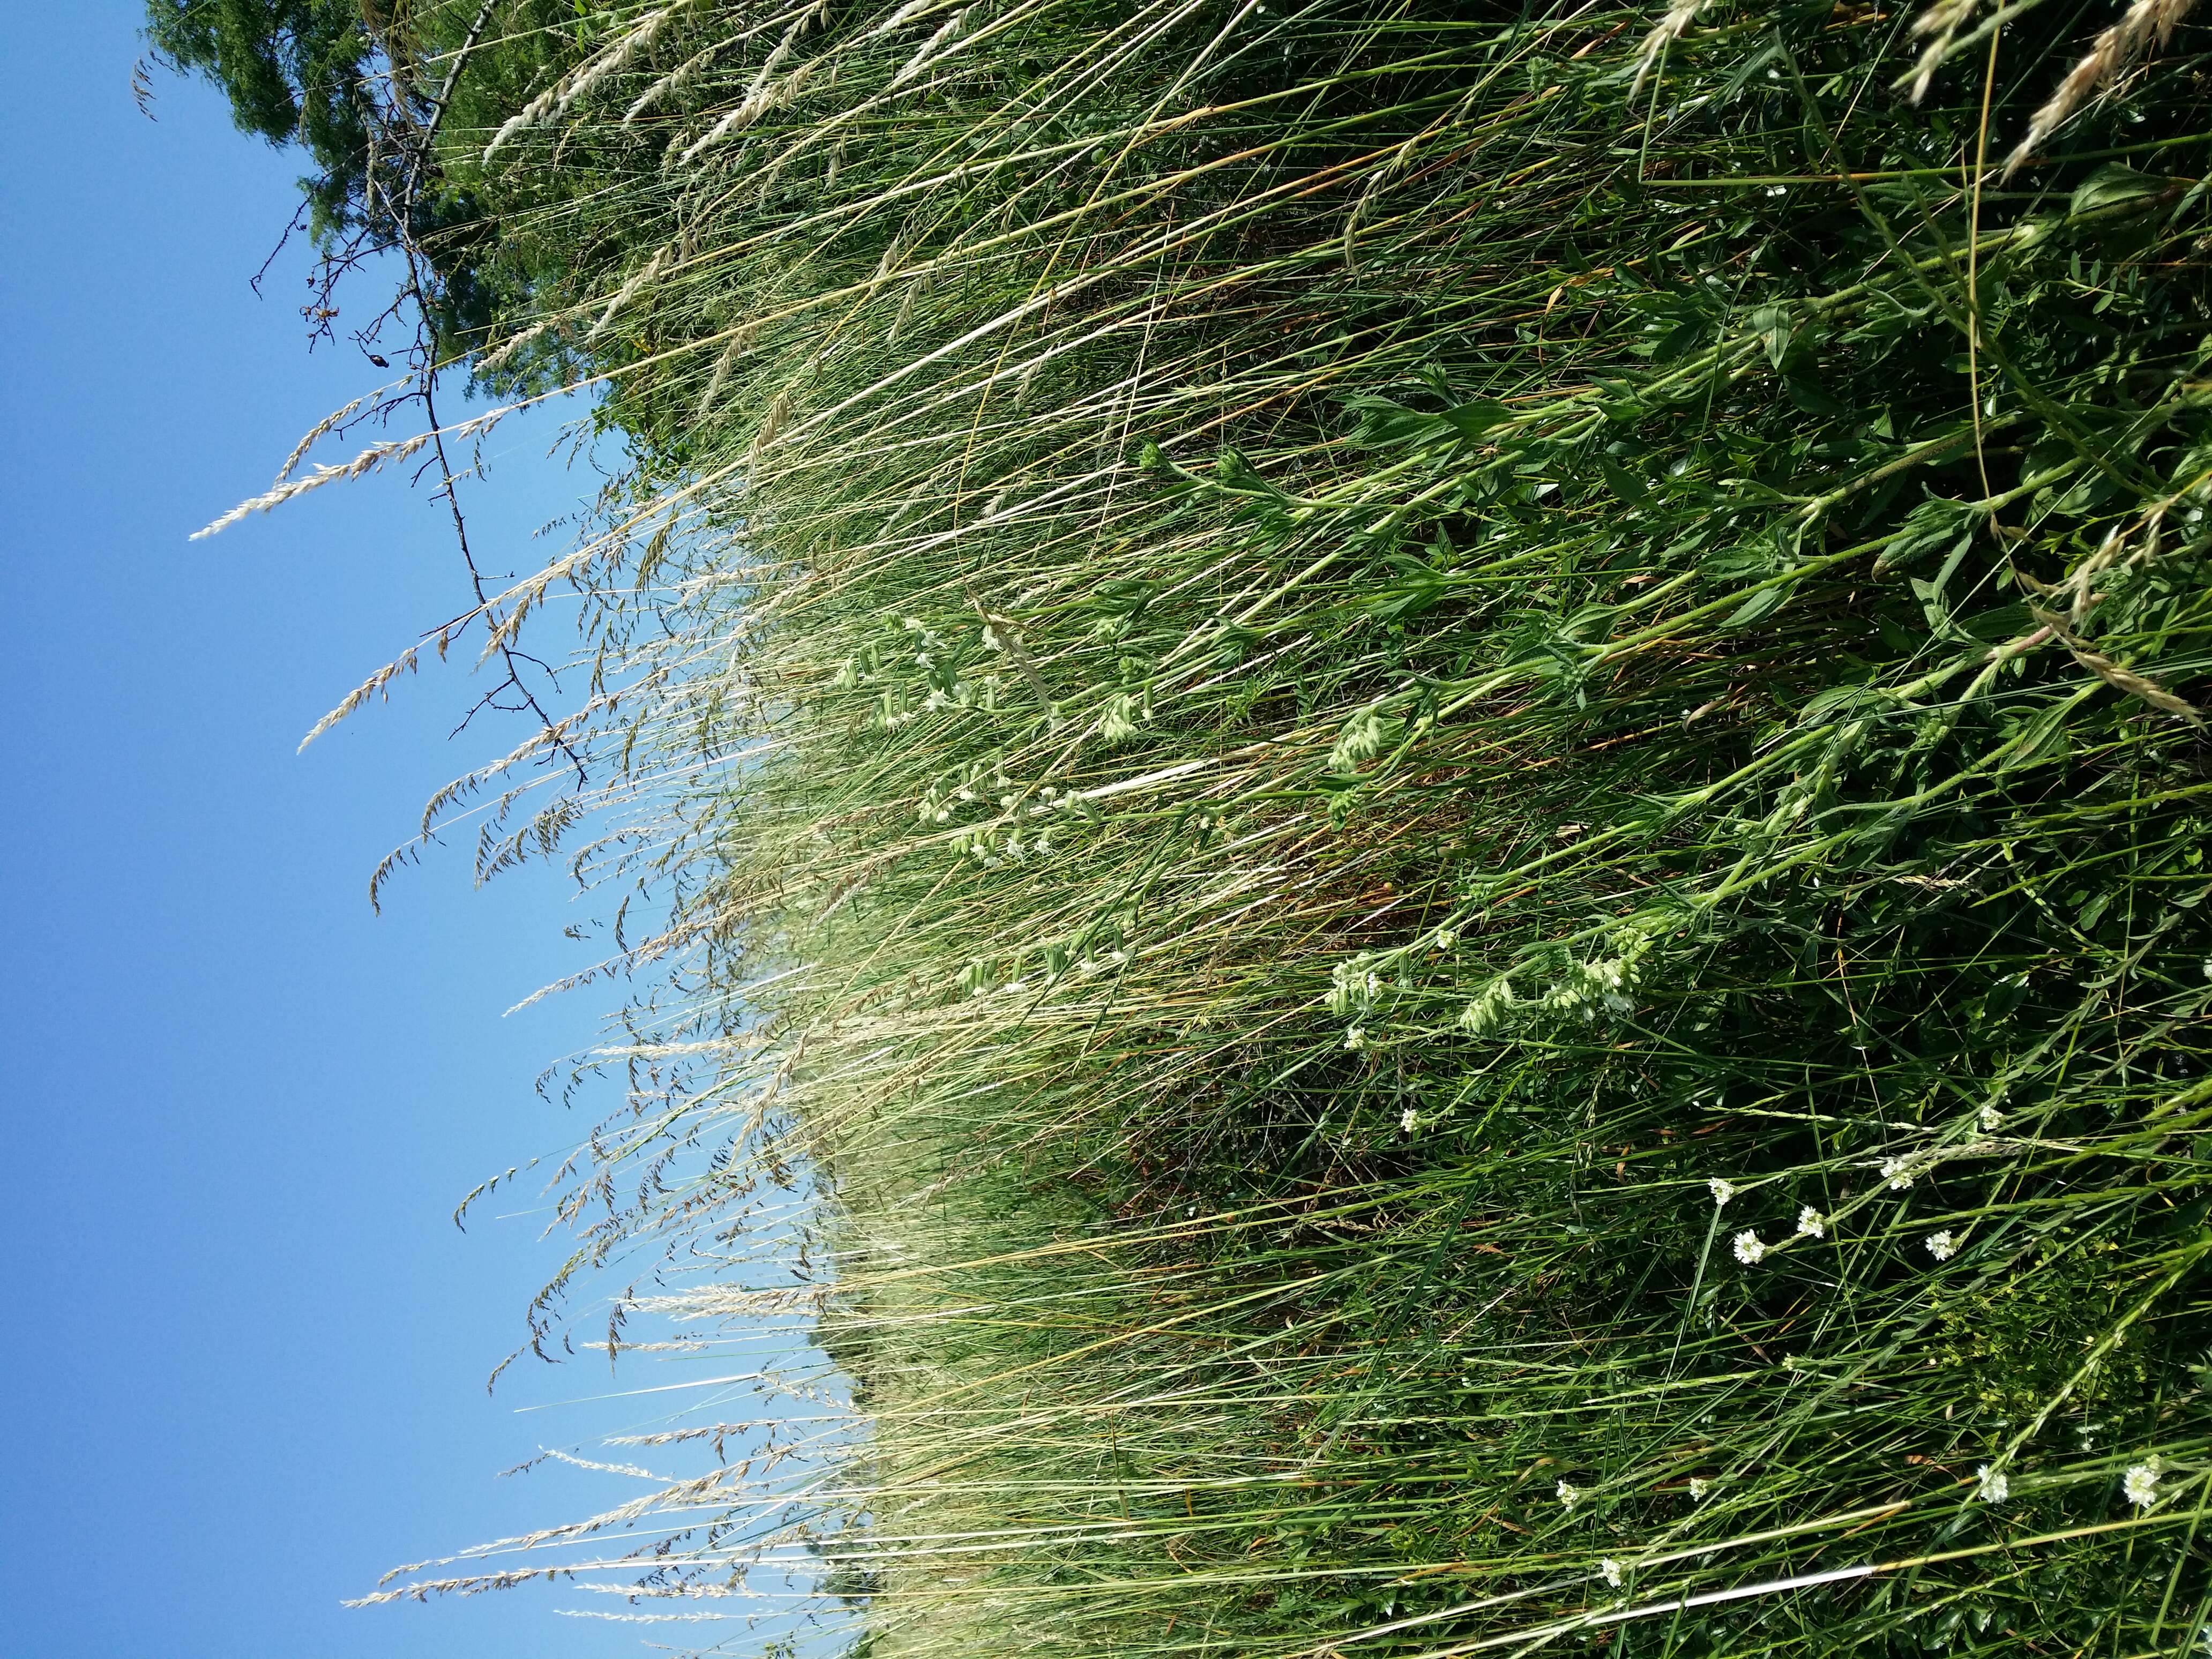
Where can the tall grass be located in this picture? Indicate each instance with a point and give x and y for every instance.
(1438, 772)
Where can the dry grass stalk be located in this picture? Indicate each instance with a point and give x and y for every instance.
(555, 101)
(321, 428)
(1681, 13)
(1943, 20)
(373, 685)
(2115, 51)
(370, 460)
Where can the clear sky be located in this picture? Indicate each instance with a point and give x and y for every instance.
(246, 1348)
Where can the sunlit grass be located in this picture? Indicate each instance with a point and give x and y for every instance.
(1461, 818)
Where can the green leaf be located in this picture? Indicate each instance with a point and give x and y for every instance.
(1761, 603)
(1810, 396)
(1681, 340)
(1476, 416)
(1772, 325)
(2114, 185)
(1626, 485)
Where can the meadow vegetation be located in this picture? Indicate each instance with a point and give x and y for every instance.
(1410, 798)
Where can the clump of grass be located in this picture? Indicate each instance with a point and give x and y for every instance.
(1462, 818)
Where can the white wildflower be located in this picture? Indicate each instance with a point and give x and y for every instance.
(1722, 1191)
(1567, 1495)
(1354, 1038)
(1943, 1246)
(1611, 1571)
(1698, 1487)
(1748, 1247)
(1897, 1172)
(2140, 1484)
(1991, 1485)
(1446, 938)
(1811, 1223)
(1406, 1121)
(1990, 1118)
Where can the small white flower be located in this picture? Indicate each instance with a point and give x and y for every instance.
(1611, 1571)
(2140, 1484)
(1406, 1121)
(1354, 1038)
(1446, 938)
(1990, 1118)
(1698, 1487)
(1567, 1495)
(1943, 1246)
(1991, 1484)
(1722, 1191)
(1811, 1223)
(1748, 1249)
(1897, 1172)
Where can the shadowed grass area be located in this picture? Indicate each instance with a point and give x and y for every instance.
(1443, 766)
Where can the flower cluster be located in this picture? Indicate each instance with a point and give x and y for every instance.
(1487, 1012)
(2139, 1486)
(1354, 984)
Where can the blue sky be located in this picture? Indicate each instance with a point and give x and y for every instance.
(247, 1348)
